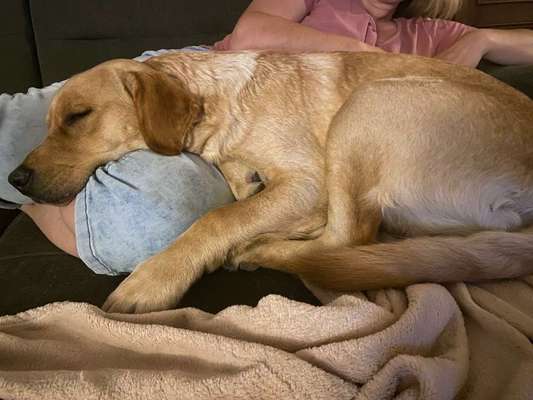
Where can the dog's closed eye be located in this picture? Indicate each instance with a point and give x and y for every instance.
(74, 117)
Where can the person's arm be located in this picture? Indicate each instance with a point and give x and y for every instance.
(509, 46)
(500, 46)
(275, 24)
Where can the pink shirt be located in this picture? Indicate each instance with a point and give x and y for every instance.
(421, 36)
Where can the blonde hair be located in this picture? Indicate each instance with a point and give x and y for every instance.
(445, 9)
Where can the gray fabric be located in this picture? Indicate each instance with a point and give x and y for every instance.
(22, 128)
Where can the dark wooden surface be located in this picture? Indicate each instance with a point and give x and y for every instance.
(498, 13)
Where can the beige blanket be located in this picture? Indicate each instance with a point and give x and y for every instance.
(427, 342)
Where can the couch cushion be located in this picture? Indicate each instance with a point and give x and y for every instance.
(518, 76)
(17, 48)
(75, 35)
(33, 272)
(6, 216)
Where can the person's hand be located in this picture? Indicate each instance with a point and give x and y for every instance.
(356, 45)
(223, 44)
(468, 50)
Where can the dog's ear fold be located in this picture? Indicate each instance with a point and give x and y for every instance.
(167, 111)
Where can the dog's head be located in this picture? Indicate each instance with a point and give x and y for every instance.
(100, 115)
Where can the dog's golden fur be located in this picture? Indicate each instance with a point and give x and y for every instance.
(343, 144)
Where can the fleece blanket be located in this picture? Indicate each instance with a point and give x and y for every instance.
(425, 342)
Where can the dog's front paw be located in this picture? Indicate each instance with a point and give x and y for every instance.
(152, 286)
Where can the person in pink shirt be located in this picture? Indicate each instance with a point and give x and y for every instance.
(371, 25)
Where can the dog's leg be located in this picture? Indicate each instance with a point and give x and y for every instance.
(353, 213)
(353, 219)
(360, 227)
(352, 172)
(269, 249)
(161, 281)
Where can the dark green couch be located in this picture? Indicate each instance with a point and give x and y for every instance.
(43, 41)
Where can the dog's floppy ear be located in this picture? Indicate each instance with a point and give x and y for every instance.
(167, 111)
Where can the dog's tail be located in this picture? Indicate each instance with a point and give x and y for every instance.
(481, 256)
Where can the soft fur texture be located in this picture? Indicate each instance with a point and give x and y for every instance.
(343, 144)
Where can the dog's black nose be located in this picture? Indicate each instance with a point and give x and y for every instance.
(20, 177)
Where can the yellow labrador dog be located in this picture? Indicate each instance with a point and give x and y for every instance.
(344, 145)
